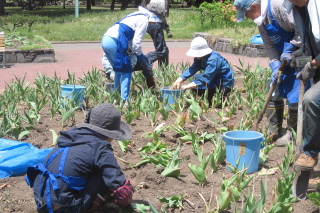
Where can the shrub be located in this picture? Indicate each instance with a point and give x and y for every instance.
(10, 23)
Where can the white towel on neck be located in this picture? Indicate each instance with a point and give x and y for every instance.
(264, 10)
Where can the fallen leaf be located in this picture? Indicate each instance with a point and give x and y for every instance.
(271, 171)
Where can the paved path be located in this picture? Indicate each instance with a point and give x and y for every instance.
(83, 57)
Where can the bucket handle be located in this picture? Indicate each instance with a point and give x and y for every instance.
(67, 96)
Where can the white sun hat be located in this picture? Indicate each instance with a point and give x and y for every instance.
(199, 47)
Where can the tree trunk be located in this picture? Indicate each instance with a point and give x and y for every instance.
(137, 3)
(167, 7)
(2, 3)
(88, 5)
(112, 5)
(124, 5)
(64, 4)
(93, 2)
(42, 3)
(143, 3)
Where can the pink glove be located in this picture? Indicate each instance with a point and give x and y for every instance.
(123, 195)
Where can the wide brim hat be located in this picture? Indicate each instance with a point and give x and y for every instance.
(241, 6)
(199, 48)
(199, 53)
(106, 120)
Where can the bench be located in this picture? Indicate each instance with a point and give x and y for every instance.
(3, 48)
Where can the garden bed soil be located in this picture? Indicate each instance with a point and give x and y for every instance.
(17, 196)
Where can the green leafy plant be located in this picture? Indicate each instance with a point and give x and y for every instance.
(174, 201)
(172, 170)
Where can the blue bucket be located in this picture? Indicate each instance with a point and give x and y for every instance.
(244, 145)
(73, 92)
(110, 87)
(172, 95)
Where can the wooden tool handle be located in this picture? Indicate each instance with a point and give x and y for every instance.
(272, 88)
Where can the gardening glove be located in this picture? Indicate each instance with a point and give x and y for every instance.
(169, 34)
(275, 67)
(177, 84)
(144, 62)
(123, 195)
(189, 86)
(297, 53)
(306, 73)
(288, 48)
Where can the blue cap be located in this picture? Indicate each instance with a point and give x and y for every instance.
(242, 6)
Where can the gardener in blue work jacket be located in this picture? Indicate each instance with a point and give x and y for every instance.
(277, 30)
(217, 73)
(122, 40)
(81, 173)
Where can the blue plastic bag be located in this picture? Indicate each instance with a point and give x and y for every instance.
(16, 157)
(256, 39)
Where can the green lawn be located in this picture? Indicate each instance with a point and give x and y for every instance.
(90, 26)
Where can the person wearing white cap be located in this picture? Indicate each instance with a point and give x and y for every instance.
(307, 20)
(277, 30)
(217, 72)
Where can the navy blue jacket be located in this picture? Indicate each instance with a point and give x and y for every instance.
(217, 71)
(88, 154)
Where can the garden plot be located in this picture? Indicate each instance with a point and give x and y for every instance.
(175, 159)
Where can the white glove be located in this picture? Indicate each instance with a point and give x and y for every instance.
(177, 84)
(297, 53)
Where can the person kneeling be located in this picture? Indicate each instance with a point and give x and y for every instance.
(217, 73)
(81, 173)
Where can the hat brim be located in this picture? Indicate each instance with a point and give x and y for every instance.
(123, 133)
(199, 53)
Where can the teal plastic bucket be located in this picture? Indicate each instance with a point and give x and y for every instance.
(110, 87)
(73, 92)
(171, 94)
(244, 145)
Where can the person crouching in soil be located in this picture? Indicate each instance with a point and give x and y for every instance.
(81, 173)
(217, 76)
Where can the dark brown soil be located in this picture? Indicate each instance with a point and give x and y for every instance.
(18, 197)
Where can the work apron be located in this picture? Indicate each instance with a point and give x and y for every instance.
(75, 183)
(122, 62)
(289, 86)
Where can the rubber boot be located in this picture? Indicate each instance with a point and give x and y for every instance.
(274, 115)
(291, 124)
(150, 82)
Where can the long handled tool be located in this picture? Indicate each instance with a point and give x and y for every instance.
(300, 183)
(272, 88)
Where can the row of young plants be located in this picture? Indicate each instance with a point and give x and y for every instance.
(45, 91)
